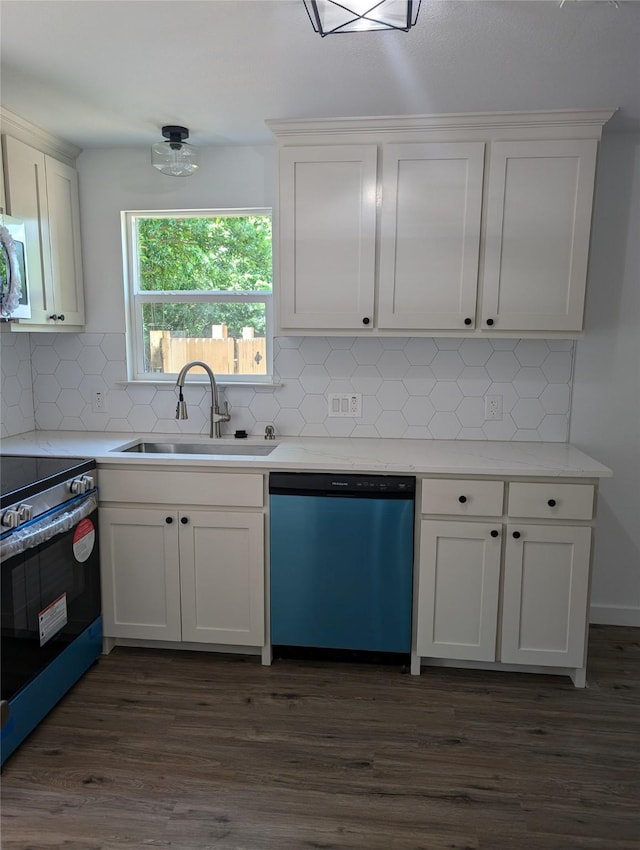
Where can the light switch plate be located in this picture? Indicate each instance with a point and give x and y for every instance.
(344, 404)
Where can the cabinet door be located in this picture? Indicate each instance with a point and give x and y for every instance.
(44, 192)
(140, 573)
(26, 189)
(222, 577)
(430, 235)
(3, 197)
(545, 595)
(459, 581)
(64, 231)
(537, 234)
(327, 236)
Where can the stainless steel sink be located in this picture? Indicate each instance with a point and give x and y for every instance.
(215, 447)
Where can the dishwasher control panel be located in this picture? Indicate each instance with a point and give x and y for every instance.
(336, 484)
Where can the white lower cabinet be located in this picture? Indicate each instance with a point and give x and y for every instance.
(222, 577)
(545, 595)
(192, 572)
(183, 576)
(505, 592)
(139, 554)
(459, 590)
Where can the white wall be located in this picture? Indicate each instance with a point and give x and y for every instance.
(605, 418)
(123, 179)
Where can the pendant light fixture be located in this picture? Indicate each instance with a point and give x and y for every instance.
(175, 156)
(332, 16)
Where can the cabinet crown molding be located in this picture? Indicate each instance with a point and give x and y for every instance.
(591, 120)
(14, 125)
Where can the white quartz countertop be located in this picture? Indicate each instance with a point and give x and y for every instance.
(439, 457)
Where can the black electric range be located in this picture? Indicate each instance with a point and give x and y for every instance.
(49, 584)
(23, 476)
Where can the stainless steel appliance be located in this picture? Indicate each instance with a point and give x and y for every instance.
(341, 561)
(14, 258)
(50, 586)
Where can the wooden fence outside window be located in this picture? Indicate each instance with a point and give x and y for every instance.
(225, 355)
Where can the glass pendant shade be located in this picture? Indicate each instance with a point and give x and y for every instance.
(332, 16)
(174, 157)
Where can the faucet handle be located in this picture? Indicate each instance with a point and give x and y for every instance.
(269, 432)
(221, 416)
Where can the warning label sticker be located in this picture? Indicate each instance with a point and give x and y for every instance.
(84, 538)
(52, 618)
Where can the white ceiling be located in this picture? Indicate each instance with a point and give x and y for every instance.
(103, 73)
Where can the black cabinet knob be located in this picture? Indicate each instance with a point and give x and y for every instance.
(467, 322)
(462, 499)
(184, 520)
(495, 532)
(366, 320)
(61, 317)
(516, 535)
(55, 318)
(552, 503)
(490, 322)
(169, 520)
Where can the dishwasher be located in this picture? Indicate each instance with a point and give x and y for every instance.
(341, 561)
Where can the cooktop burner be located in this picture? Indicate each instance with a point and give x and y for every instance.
(22, 476)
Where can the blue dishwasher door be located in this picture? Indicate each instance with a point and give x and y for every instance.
(341, 572)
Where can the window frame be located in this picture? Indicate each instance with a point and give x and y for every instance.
(136, 298)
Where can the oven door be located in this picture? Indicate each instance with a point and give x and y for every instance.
(50, 590)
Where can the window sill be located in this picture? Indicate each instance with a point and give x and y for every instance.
(221, 382)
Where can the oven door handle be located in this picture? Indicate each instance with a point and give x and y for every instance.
(54, 522)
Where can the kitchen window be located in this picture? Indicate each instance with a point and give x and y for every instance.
(199, 286)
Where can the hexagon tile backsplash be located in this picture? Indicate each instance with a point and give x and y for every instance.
(415, 387)
(16, 387)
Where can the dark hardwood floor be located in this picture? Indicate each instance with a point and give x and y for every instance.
(191, 751)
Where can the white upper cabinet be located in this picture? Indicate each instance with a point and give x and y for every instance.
(474, 224)
(538, 222)
(43, 191)
(430, 235)
(3, 201)
(327, 236)
(64, 232)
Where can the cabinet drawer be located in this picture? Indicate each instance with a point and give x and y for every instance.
(462, 497)
(210, 489)
(551, 500)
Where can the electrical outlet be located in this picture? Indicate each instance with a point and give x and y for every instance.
(345, 404)
(493, 407)
(98, 402)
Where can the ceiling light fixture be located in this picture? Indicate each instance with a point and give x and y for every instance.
(332, 16)
(175, 156)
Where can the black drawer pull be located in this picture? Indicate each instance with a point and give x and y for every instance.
(366, 320)
(490, 322)
(467, 322)
(516, 535)
(184, 520)
(169, 520)
(495, 532)
(552, 503)
(462, 499)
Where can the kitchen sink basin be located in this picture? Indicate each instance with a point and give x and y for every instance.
(213, 448)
